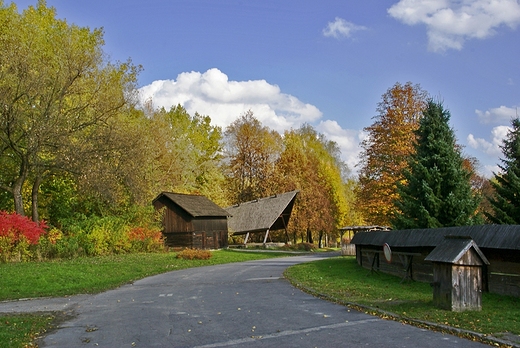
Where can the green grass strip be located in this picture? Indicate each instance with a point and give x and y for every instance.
(96, 274)
(343, 280)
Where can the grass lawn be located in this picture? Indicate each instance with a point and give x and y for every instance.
(84, 276)
(342, 280)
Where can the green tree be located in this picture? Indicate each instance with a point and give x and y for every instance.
(251, 151)
(185, 154)
(437, 190)
(505, 203)
(386, 149)
(57, 94)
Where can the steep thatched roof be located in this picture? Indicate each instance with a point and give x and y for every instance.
(260, 215)
(195, 205)
(486, 236)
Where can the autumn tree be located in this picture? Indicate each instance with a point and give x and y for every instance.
(311, 164)
(505, 202)
(436, 191)
(56, 93)
(251, 151)
(385, 151)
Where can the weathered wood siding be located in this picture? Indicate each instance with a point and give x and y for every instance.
(458, 286)
(502, 276)
(181, 230)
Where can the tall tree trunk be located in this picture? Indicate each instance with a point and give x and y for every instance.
(17, 188)
(320, 238)
(34, 199)
(309, 236)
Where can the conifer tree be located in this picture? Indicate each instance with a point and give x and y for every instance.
(505, 202)
(437, 189)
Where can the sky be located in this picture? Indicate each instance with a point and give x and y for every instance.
(326, 63)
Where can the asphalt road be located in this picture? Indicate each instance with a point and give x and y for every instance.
(234, 305)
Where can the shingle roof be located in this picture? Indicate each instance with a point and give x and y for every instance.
(270, 213)
(486, 236)
(452, 249)
(195, 205)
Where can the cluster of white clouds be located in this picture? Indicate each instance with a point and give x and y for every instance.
(449, 23)
(501, 117)
(212, 93)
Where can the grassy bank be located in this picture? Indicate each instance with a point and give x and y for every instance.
(82, 276)
(88, 275)
(341, 279)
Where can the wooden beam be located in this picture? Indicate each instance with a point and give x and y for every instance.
(266, 234)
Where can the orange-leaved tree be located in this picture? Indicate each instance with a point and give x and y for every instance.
(386, 149)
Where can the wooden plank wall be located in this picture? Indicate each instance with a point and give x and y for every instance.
(500, 277)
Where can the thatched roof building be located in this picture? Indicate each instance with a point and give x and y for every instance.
(261, 215)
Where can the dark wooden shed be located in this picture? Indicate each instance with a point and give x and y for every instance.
(499, 243)
(262, 215)
(457, 274)
(192, 221)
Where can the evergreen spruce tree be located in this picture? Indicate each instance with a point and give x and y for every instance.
(436, 191)
(506, 200)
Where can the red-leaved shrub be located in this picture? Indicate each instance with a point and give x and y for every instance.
(15, 227)
(17, 234)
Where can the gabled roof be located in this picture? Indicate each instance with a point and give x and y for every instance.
(195, 205)
(486, 236)
(452, 249)
(260, 215)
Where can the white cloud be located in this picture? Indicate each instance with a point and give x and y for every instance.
(211, 93)
(341, 28)
(451, 22)
(502, 114)
(491, 147)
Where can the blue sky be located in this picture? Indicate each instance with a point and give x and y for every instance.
(323, 62)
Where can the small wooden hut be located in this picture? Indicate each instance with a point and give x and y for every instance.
(499, 243)
(192, 221)
(457, 274)
(262, 215)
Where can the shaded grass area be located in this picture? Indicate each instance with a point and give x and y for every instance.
(22, 330)
(343, 280)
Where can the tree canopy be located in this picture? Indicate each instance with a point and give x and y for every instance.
(58, 96)
(386, 149)
(436, 191)
(505, 203)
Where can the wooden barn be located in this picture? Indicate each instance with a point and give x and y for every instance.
(500, 244)
(262, 215)
(192, 221)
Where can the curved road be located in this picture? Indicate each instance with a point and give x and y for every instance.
(245, 304)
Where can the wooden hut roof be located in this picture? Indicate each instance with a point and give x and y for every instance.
(195, 205)
(486, 236)
(260, 215)
(452, 249)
